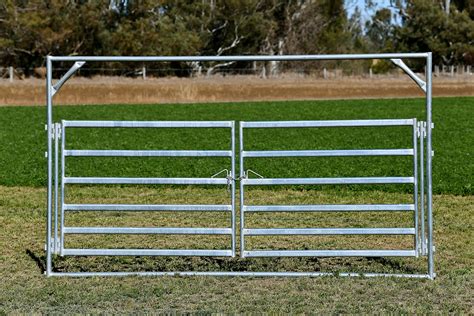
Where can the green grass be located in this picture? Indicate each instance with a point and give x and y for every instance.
(23, 288)
(22, 140)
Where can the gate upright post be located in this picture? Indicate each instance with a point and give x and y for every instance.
(429, 156)
(56, 185)
(242, 175)
(49, 119)
(422, 188)
(232, 184)
(415, 185)
(63, 188)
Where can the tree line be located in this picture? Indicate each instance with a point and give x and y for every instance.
(32, 29)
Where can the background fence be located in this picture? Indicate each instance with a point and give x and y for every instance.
(12, 74)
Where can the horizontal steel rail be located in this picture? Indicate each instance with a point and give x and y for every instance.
(331, 208)
(327, 231)
(148, 153)
(103, 180)
(147, 252)
(330, 253)
(332, 123)
(327, 153)
(148, 207)
(148, 230)
(237, 58)
(241, 274)
(149, 124)
(309, 181)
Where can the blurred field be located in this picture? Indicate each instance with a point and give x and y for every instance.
(114, 90)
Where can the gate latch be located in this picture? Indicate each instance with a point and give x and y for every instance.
(228, 177)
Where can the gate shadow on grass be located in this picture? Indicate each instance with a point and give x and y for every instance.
(39, 260)
(294, 264)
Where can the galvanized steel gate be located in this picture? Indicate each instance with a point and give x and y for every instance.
(65, 207)
(422, 229)
(412, 179)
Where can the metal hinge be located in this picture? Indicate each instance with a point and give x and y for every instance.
(58, 130)
(51, 132)
(55, 130)
(55, 244)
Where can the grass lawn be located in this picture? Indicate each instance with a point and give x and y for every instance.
(23, 288)
(23, 140)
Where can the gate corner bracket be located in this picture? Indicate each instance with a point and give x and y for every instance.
(400, 64)
(77, 65)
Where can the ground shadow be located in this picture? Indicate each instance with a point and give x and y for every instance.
(295, 264)
(39, 260)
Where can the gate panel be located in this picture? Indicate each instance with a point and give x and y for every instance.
(246, 181)
(227, 181)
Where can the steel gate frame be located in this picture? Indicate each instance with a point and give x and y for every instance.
(424, 130)
(64, 207)
(412, 180)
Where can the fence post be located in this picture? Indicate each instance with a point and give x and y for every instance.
(144, 73)
(452, 71)
(370, 72)
(325, 73)
(10, 73)
(468, 69)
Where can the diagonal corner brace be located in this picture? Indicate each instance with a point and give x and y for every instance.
(77, 65)
(399, 63)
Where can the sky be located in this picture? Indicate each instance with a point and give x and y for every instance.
(352, 4)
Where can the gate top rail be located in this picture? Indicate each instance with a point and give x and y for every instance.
(150, 124)
(332, 123)
(238, 58)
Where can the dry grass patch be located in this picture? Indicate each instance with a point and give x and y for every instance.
(115, 90)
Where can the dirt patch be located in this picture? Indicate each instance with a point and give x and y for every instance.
(112, 90)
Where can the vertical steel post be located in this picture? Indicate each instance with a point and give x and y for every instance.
(429, 198)
(415, 184)
(63, 189)
(56, 185)
(242, 175)
(49, 119)
(10, 73)
(232, 175)
(422, 187)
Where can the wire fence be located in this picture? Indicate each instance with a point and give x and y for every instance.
(144, 72)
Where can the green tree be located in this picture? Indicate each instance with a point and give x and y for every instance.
(379, 30)
(426, 27)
